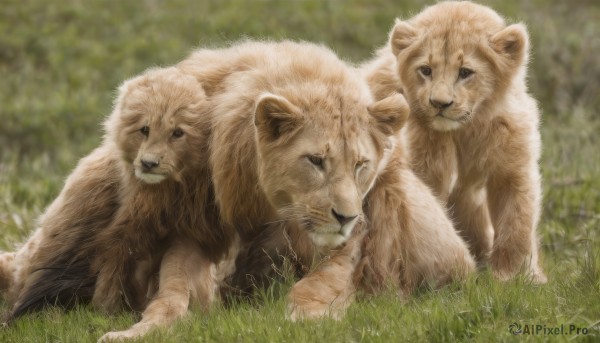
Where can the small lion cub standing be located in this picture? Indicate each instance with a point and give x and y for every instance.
(473, 129)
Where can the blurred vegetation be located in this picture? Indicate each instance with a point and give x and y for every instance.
(61, 61)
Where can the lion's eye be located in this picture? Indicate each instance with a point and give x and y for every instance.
(316, 160)
(145, 130)
(177, 133)
(463, 73)
(425, 70)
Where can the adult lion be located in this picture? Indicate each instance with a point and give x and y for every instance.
(290, 133)
(295, 138)
(407, 242)
(473, 130)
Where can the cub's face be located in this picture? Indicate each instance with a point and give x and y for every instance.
(317, 162)
(454, 59)
(446, 85)
(156, 124)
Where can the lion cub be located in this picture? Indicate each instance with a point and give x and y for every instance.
(473, 128)
(122, 205)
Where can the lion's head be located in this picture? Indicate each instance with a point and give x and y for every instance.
(455, 59)
(156, 124)
(319, 154)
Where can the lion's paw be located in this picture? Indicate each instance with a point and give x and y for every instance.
(119, 336)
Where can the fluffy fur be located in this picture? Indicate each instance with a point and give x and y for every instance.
(295, 138)
(296, 144)
(6, 270)
(48, 268)
(187, 278)
(161, 128)
(473, 129)
(408, 242)
(125, 201)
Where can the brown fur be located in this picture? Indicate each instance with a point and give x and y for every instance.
(299, 106)
(473, 138)
(264, 258)
(409, 242)
(113, 217)
(180, 204)
(6, 270)
(47, 267)
(277, 108)
(186, 274)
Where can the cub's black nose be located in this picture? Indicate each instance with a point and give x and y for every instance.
(342, 219)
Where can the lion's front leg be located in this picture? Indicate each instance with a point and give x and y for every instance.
(184, 273)
(108, 292)
(469, 209)
(115, 248)
(329, 289)
(433, 251)
(514, 200)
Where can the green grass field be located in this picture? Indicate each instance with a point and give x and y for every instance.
(61, 62)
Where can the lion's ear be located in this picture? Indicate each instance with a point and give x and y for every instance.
(390, 114)
(512, 43)
(275, 116)
(111, 123)
(402, 36)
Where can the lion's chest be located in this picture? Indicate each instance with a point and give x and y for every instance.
(160, 212)
(478, 150)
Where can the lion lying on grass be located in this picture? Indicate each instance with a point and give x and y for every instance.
(290, 133)
(295, 139)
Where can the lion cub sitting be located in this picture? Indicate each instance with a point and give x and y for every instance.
(106, 231)
(473, 129)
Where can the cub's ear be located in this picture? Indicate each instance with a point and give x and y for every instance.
(402, 36)
(390, 114)
(112, 122)
(512, 43)
(275, 116)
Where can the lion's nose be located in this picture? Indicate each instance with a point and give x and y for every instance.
(149, 164)
(342, 219)
(439, 103)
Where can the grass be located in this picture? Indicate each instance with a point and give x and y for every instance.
(61, 61)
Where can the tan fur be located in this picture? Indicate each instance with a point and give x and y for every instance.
(329, 289)
(473, 138)
(185, 274)
(114, 216)
(6, 270)
(277, 108)
(171, 198)
(270, 107)
(409, 242)
(86, 204)
(302, 110)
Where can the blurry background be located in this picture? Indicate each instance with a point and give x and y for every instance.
(60, 62)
